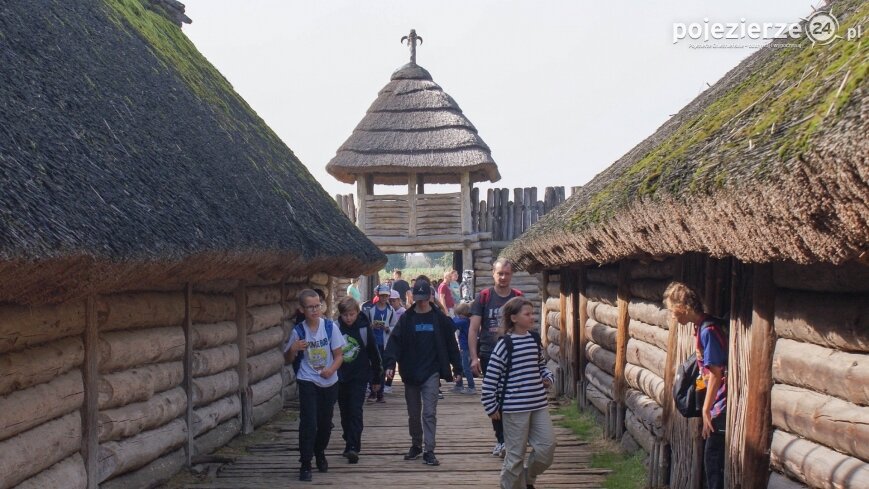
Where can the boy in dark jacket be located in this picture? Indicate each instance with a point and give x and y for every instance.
(424, 345)
(362, 364)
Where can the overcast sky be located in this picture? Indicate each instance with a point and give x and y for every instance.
(558, 89)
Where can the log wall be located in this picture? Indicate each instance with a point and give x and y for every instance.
(166, 376)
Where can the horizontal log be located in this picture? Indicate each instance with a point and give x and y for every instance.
(601, 357)
(262, 413)
(645, 355)
(140, 310)
(827, 420)
(601, 293)
(33, 451)
(119, 457)
(214, 360)
(127, 349)
(263, 317)
(627, 444)
(599, 379)
(652, 335)
(263, 295)
(214, 334)
(835, 373)
(838, 321)
(208, 417)
(645, 381)
(822, 277)
(601, 334)
(264, 365)
(266, 389)
(215, 287)
(554, 352)
(603, 313)
(778, 481)
(30, 407)
(132, 419)
(27, 326)
(597, 398)
(553, 303)
(34, 366)
(816, 465)
(639, 432)
(553, 335)
(217, 437)
(138, 384)
(649, 312)
(650, 290)
(212, 308)
(213, 387)
(265, 340)
(647, 411)
(660, 270)
(605, 276)
(153, 474)
(319, 278)
(69, 473)
(553, 319)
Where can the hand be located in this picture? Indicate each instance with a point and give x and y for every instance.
(475, 366)
(390, 373)
(327, 372)
(547, 383)
(298, 346)
(375, 387)
(708, 429)
(495, 416)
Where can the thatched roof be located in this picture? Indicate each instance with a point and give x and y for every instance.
(771, 163)
(414, 126)
(126, 159)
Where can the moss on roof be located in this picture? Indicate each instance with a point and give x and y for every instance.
(748, 132)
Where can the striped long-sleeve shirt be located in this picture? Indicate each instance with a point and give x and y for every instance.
(524, 386)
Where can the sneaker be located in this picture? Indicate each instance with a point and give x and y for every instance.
(440, 395)
(470, 391)
(503, 452)
(352, 456)
(380, 399)
(372, 396)
(322, 463)
(387, 389)
(429, 458)
(305, 474)
(499, 447)
(458, 389)
(413, 453)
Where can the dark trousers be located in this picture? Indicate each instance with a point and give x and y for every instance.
(497, 425)
(713, 454)
(316, 405)
(351, 397)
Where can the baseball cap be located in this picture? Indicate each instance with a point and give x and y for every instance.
(421, 291)
(394, 294)
(383, 289)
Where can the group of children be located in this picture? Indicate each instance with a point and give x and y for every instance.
(339, 362)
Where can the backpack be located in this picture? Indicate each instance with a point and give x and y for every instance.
(508, 344)
(689, 400)
(299, 328)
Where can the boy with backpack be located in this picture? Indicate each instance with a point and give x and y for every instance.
(486, 324)
(362, 364)
(382, 319)
(711, 343)
(315, 351)
(462, 322)
(514, 391)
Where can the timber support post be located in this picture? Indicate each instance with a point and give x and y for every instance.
(244, 391)
(188, 369)
(619, 384)
(583, 337)
(90, 409)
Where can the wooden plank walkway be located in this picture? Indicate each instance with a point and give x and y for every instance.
(464, 444)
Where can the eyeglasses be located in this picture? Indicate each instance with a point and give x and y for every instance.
(315, 307)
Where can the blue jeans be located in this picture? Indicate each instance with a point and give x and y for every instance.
(466, 370)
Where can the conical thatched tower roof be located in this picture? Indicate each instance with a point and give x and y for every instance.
(769, 164)
(414, 126)
(127, 159)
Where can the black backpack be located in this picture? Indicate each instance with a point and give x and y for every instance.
(685, 388)
(508, 344)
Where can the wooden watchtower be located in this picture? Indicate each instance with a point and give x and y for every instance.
(412, 135)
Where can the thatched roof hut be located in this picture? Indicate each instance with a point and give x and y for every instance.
(128, 160)
(770, 163)
(414, 126)
(757, 195)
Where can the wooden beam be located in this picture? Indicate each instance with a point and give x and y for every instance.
(467, 222)
(243, 387)
(624, 319)
(758, 422)
(188, 368)
(361, 194)
(411, 205)
(90, 408)
(583, 337)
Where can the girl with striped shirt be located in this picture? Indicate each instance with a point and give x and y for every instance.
(514, 390)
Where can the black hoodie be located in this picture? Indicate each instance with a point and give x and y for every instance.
(400, 347)
(366, 364)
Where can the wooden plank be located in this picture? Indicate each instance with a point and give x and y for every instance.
(90, 409)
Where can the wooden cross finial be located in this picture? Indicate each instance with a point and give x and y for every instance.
(411, 39)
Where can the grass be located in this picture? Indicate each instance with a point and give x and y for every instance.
(628, 471)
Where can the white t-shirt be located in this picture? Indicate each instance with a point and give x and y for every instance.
(318, 354)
